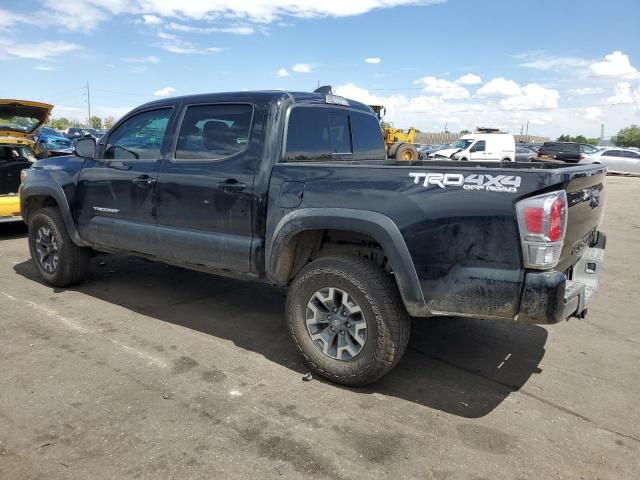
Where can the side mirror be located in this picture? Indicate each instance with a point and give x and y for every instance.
(85, 147)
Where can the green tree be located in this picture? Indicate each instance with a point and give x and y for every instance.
(108, 122)
(95, 121)
(578, 139)
(61, 123)
(628, 137)
(464, 132)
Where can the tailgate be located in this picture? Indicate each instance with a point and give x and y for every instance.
(586, 199)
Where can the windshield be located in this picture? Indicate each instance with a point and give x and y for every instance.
(462, 144)
(21, 118)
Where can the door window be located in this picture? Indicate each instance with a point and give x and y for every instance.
(612, 153)
(628, 154)
(479, 146)
(212, 132)
(138, 137)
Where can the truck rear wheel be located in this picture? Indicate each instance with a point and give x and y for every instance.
(60, 261)
(347, 319)
(406, 152)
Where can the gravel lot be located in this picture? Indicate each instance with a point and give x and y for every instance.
(149, 371)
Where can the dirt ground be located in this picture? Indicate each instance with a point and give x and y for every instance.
(149, 371)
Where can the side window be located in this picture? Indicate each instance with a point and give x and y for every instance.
(612, 153)
(308, 135)
(212, 132)
(367, 137)
(628, 154)
(139, 137)
(479, 146)
(340, 133)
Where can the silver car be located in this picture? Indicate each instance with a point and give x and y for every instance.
(617, 160)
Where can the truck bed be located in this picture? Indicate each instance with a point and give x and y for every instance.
(458, 220)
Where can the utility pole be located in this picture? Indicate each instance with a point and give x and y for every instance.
(88, 105)
(527, 134)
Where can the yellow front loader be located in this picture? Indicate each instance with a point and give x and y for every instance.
(398, 143)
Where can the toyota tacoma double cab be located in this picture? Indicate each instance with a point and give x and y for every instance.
(294, 189)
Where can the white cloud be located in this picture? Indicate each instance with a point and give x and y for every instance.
(237, 29)
(87, 14)
(532, 96)
(615, 65)
(593, 113)
(151, 20)
(586, 91)
(373, 60)
(443, 88)
(540, 61)
(164, 92)
(176, 45)
(301, 68)
(282, 72)
(624, 93)
(500, 87)
(533, 104)
(147, 59)
(469, 79)
(35, 51)
(44, 68)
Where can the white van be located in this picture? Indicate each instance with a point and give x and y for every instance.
(481, 147)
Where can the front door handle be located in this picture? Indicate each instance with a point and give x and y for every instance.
(144, 181)
(231, 186)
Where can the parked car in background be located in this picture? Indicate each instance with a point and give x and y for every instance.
(55, 141)
(425, 150)
(481, 147)
(617, 160)
(525, 154)
(565, 151)
(78, 132)
(19, 119)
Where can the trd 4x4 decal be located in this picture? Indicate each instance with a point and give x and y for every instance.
(476, 181)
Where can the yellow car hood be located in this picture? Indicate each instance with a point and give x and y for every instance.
(20, 118)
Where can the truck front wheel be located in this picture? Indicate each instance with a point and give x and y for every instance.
(347, 319)
(60, 261)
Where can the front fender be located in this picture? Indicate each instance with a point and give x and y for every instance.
(55, 191)
(376, 225)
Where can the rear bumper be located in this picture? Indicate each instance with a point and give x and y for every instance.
(549, 297)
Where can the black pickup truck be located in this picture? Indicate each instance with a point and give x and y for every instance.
(294, 189)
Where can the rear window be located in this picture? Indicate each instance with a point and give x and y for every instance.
(322, 134)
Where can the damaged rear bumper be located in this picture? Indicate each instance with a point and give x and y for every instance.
(549, 297)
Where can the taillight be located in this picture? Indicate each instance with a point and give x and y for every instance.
(543, 222)
(581, 157)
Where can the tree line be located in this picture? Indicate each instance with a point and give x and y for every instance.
(95, 121)
(627, 137)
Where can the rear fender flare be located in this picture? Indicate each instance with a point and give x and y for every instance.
(378, 226)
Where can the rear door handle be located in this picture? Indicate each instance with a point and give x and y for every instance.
(144, 181)
(232, 186)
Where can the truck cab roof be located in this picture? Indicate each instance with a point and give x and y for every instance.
(261, 96)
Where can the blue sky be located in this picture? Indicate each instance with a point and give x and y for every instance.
(563, 66)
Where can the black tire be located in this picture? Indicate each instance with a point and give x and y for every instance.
(73, 261)
(464, 159)
(375, 291)
(406, 152)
